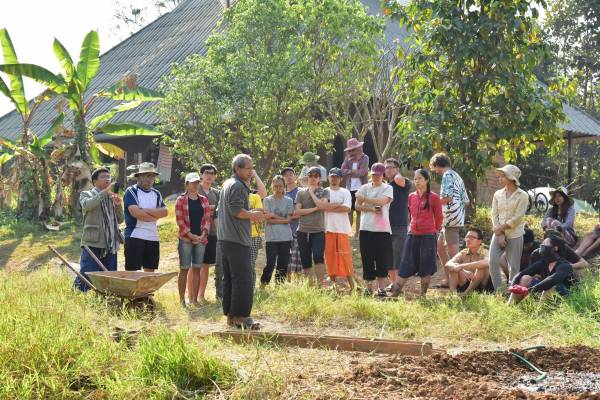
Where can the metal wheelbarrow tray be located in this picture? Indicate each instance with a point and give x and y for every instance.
(129, 284)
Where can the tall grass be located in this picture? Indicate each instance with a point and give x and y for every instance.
(56, 344)
(450, 320)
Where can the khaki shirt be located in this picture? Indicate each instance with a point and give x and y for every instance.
(465, 256)
(510, 211)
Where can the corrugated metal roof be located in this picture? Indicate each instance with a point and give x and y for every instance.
(176, 35)
(150, 53)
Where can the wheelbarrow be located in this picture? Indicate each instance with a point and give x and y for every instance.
(133, 288)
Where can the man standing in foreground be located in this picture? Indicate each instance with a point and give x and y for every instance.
(143, 207)
(234, 239)
(102, 213)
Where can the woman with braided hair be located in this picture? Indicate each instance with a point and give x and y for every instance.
(419, 255)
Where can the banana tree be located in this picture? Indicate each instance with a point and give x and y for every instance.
(73, 84)
(31, 199)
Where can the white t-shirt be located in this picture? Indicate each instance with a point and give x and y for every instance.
(376, 222)
(355, 183)
(146, 230)
(338, 222)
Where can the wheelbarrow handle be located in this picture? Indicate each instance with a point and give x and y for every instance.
(68, 265)
(91, 253)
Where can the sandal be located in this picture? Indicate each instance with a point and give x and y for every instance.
(247, 324)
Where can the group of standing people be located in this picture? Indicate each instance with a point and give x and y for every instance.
(308, 229)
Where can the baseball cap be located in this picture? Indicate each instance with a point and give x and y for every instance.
(377, 169)
(192, 177)
(336, 172)
(314, 170)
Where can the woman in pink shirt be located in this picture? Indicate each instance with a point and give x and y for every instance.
(419, 256)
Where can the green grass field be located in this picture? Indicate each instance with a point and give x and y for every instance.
(56, 343)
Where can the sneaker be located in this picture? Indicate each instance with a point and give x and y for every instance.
(368, 292)
(389, 287)
(381, 293)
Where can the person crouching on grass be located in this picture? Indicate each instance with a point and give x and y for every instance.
(551, 273)
(419, 256)
(468, 270)
(338, 253)
(193, 216)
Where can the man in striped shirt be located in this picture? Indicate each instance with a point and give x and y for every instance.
(453, 195)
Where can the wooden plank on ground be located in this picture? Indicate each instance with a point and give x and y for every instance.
(344, 343)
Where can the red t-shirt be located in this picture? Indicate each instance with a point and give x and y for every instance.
(425, 221)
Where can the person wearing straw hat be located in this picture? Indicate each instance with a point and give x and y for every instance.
(144, 206)
(193, 217)
(509, 206)
(561, 216)
(309, 160)
(356, 171)
(102, 213)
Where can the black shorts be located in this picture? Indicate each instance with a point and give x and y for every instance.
(140, 253)
(376, 254)
(353, 196)
(419, 256)
(312, 248)
(210, 252)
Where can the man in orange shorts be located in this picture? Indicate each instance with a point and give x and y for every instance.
(338, 253)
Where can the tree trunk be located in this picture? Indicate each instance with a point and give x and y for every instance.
(471, 186)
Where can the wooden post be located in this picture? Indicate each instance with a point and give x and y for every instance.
(569, 159)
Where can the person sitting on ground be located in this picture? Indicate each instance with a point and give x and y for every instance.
(561, 216)
(193, 217)
(419, 256)
(551, 272)
(278, 235)
(529, 246)
(590, 243)
(579, 264)
(469, 269)
(338, 252)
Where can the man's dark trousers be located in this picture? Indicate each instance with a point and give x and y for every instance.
(238, 288)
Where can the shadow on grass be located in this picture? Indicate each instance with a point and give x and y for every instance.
(6, 251)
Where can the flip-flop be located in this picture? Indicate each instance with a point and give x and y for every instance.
(247, 324)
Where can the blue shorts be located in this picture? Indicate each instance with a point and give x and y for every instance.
(190, 254)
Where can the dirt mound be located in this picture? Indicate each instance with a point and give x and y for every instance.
(573, 373)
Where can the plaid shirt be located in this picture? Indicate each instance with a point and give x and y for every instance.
(182, 216)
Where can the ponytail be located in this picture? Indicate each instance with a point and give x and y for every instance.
(425, 175)
(426, 206)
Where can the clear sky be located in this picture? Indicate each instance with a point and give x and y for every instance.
(33, 24)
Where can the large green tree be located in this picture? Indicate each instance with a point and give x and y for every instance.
(471, 83)
(264, 85)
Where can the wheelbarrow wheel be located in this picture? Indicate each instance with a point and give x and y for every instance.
(142, 304)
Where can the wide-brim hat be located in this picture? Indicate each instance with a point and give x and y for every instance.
(353, 143)
(512, 172)
(564, 192)
(309, 157)
(146, 168)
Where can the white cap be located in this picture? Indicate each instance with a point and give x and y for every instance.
(192, 177)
